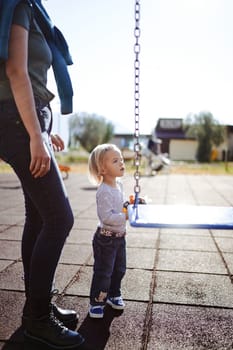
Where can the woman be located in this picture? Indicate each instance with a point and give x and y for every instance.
(25, 143)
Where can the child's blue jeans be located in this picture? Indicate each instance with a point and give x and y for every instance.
(109, 267)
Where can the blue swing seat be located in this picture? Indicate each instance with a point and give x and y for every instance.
(181, 216)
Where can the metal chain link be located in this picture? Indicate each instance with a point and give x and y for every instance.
(137, 146)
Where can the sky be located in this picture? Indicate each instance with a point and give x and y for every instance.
(186, 58)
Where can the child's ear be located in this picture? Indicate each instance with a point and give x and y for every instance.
(102, 171)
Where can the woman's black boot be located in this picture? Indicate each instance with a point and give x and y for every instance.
(48, 330)
(69, 318)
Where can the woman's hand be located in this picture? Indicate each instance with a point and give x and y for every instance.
(57, 142)
(40, 158)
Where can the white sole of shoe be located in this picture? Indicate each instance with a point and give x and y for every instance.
(116, 307)
(95, 315)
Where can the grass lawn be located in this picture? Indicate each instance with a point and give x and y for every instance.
(80, 166)
(215, 168)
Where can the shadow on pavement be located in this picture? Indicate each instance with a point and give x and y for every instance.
(95, 331)
(16, 341)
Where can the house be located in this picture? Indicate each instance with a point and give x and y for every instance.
(169, 131)
(174, 140)
(126, 142)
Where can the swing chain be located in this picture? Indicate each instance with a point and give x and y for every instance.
(137, 146)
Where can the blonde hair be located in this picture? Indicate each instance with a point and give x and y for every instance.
(96, 160)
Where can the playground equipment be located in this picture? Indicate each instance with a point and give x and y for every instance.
(141, 215)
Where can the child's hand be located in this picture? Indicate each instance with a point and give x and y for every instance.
(126, 213)
(140, 200)
(57, 142)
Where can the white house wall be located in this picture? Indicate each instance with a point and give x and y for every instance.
(182, 149)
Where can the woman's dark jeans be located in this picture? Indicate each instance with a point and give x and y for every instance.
(48, 218)
(109, 267)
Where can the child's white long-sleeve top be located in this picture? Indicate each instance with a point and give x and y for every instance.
(110, 201)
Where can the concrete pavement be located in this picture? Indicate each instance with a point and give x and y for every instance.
(178, 286)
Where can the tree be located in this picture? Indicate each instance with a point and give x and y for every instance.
(207, 131)
(89, 130)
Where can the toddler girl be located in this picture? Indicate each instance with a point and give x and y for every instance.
(106, 165)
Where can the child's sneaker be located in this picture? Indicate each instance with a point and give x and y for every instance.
(96, 311)
(116, 303)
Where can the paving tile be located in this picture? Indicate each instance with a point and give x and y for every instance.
(80, 236)
(133, 277)
(64, 275)
(222, 233)
(126, 330)
(81, 286)
(4, 264)
(75, 254)
(86, 224)
(11, 220)
(192, 261)
(184, 327)
(11, 306)
(192, 288)
(111, 332)
(193, 297)
(13, 233)
(10, 250)
(142, 240)
(143, 231)
(3, 228)
(187, 242)
(229, 261)
(12, 277)
(140, 258)
(136, 284)
(185, 231)
(225, 244)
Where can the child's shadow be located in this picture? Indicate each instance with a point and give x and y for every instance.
(95, 331)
